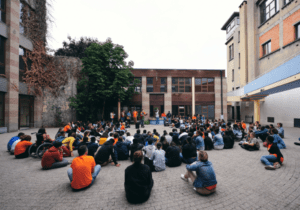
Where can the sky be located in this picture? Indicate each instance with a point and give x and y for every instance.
(167, 34)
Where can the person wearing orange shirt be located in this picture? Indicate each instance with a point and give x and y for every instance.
(164, 116)
(84, 170)
(134, 113)
(67, 128)
(21, 149)
(244, 125)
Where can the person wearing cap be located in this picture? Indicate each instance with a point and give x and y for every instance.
(204, 181)
(53, 157)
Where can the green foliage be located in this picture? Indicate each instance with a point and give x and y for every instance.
(147, 122)
(105, 78)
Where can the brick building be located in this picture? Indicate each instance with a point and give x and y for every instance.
(181, 91)
(263, 71)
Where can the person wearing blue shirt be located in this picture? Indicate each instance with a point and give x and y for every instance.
(277, 139)
(218, 140)
(121, 149)
(13, 139)
(205, 181)
(280, 130)
(262, 133)
(199, 140)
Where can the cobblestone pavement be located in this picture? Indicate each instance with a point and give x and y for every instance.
(243, 183)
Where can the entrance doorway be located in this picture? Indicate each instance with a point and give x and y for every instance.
(26, 111)
(232, 111)
(238, 113)
(157, 101)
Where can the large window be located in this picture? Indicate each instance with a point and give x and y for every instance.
(231, 52)
(181, 85)
(204, 85)
(2, 55)
(163, 85)
(297, 30)
(2, 11)
(207, 110)
(266, 48)
(138, 88)
(149, 84)
(21, 26)
(268, 9)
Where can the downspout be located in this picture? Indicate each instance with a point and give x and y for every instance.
(221, 92)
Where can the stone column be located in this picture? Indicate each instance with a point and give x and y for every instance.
(218, 98)
(168, 96)
(145, 98)
(256, 110)
(12, 66)
(193, 96)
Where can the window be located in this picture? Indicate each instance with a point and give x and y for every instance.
(287, 1)
(163, 85)
(2, 11)
(207, 111)
(297, 30)
(232, 75)
(181, 85)
(231, 52)
(204, 84)
(138, 88)
(271, 119)
(149, 84)
(239, 36)
(230, 26)
(239, 60)
(2, 55)
(21, 18)
(266, 48)
(268, 9)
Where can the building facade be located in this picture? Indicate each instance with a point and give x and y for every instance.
(184, 92)
(18, 108)
(263, 68)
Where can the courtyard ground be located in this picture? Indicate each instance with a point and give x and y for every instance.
(243, 183)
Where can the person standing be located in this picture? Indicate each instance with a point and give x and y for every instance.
(169, 115)
(143, 114)
(112, 116)
(157, 116)
(123, 115)
(134, 115)
(128, 119)
(163, 115)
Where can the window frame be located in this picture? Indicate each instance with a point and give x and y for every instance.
(297, 31)
(266, 50)
(3, 11)
(286, 2)
(138, 88)
(3, 42)
(181, 86)
(230, 26)
(205, 86)
(232, 75)
(149, 85)
(264, 13)
(231, 52)
(165, 86)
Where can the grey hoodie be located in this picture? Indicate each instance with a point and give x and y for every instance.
(149, 150)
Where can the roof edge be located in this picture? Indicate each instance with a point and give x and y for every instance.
(235, 14)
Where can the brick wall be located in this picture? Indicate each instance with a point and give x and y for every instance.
(289, 28)
(272, 34)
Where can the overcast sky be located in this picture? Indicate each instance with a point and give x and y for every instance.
(172, 34)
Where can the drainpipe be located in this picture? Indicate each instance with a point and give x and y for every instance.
(221, 92)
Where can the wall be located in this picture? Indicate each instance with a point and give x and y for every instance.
(284, 107)
(52, 105)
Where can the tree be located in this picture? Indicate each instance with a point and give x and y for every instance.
(105, 77)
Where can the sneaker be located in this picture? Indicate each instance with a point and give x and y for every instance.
(183, 178)
(70, 161)
(277, 166)
(195, 189)
(270, 167)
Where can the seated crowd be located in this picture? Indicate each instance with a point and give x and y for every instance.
(105, 143)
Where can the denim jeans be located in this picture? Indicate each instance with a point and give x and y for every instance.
(170, 121)
(60, 164)
(94, 175)
(280, 146)
(164, 118)
(123, 119)
(157, 120)
(142, 122)
(189, 160)
(268, 160)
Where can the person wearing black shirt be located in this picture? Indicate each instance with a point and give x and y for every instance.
(173, 156)
(189, 152)
(228, 141)
(92, 147)
(102, 155)
(139, 136)
(138, 180)
(209, 145)
(135, 147)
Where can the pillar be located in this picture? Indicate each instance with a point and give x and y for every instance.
(257, 110)
(168, 96)
(193, 96)
(145, 97)
(12, 66)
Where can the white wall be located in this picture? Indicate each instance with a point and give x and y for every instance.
(284, 107)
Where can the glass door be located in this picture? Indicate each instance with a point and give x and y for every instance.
(181, 111)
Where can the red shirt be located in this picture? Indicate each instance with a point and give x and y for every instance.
(51, 156)
(22, 146)
(83, 167)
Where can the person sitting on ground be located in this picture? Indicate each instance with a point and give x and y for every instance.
(262, 133)
(116, 138)
(209, 145)
(149, 150)
(280, 130)
(105, 154)
(237, 132)
(277, 139)
(53, 157)
(121, 149)
(156, 136)
(13, 146)
(92, 147)
(164, 143)
(85, 141)
(83, 171)
(218, 140)
(58, 132)
(189, 152)
(205, 181)
(252, 144)
(228, 141)
(172, 156)
(129, 138)
(138, 136)
(135, 147)
(144, 135)
(13, 139)
(68, 143)
(182, 136)
(158, 158)
(110, 136)
(21, 149)
(138, 180)
(200, 145)
(61, 136)
(168, 137)
(275, 159)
